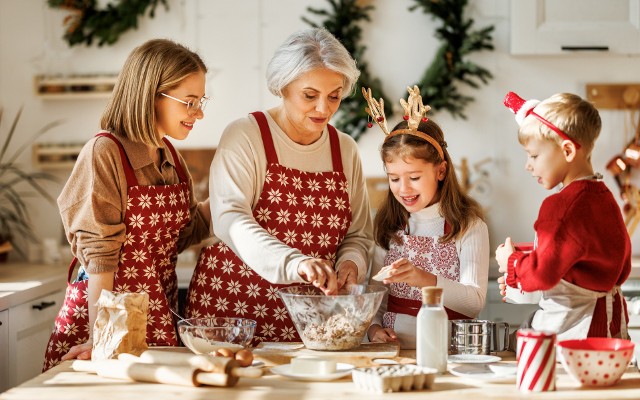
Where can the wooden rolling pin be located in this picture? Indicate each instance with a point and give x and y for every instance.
(203, 362)
(184, 375)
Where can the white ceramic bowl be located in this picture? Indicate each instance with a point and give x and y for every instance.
(595, 361)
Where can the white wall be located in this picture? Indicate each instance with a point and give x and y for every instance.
(236, 40)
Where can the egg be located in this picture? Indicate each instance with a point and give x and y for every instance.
(224, 352)
(244, 357)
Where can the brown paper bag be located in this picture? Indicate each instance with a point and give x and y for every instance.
(121, 325)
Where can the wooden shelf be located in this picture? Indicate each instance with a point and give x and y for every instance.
(55, 156)
(614, 96)
(74, 86)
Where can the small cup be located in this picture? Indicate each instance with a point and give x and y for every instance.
(519, 296)
(525, 247)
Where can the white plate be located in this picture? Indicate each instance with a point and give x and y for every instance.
(480, 373)
(342, 369)
(472, 359)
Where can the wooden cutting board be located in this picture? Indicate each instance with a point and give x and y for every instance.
(282, 353)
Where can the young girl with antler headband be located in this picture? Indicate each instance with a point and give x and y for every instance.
(428, 231)
(582, 253)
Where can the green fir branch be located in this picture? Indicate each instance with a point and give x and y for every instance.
(342, 21)
(87, 23)
(450, 67)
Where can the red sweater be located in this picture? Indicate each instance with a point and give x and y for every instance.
(582, 239)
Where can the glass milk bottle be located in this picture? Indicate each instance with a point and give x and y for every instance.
(432, 344)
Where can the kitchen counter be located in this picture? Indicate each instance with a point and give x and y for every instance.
(22, 282)
(63, 383)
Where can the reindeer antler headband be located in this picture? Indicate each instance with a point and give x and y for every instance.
(414, 112)
(523, 108)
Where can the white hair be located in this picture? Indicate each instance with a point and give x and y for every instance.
(305, 51)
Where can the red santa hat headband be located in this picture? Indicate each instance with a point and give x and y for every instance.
(523, 108)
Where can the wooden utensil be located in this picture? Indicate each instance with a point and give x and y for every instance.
(224, 373)
(203, 362)
(361, 356)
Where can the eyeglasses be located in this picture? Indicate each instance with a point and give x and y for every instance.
(192, 105)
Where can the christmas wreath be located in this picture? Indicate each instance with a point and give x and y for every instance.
(87, 23)
(439, 83)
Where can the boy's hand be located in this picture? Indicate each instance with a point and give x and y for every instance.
(502, 285)
(502, 254)
(378, 334)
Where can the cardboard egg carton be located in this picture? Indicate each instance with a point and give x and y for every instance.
(393, 378)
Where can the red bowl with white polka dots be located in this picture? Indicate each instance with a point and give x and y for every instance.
(595, 361)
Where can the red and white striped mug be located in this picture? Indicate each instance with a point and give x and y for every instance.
(536, 358)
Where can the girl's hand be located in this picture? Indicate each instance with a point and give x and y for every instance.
(502, 285)
(378, 334)
(319, 273)
(347, 274)
(79, 351)
(502, 254)
(403, 271)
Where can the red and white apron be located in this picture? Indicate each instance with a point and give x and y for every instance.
(567, 309)
(315, 215)
(154, 217)
(404, 301)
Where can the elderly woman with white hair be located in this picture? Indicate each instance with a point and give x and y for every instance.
(288, 197)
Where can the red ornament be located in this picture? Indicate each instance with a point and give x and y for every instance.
(369, 125)
(380, 119)
(406, 117)
(425, 119)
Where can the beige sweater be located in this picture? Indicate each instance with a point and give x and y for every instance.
(236, 179)
(93, 201)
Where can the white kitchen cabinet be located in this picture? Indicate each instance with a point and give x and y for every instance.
(4, 350)
(29, 326)
(575, 26)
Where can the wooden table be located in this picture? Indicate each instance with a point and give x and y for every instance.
(63, 383)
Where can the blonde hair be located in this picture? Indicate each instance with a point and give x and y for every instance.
(570, 113)
(305, 51)
(156, 66)
(458, 209)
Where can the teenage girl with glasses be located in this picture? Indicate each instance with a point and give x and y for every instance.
(140, 211)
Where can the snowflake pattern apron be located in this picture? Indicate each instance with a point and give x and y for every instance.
(309, 211)
(426, 253)
(154, 217)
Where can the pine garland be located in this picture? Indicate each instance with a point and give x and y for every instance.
(87, 23)
(342, 21)
(450, 66)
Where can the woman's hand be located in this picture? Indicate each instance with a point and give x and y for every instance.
(347, 274)
(79, 351)
(502, 254)
(403, 271)
(378, 334)
(319, 273)
(502, 285)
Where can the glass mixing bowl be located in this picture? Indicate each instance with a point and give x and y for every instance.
(206, 335)
(336, 322)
